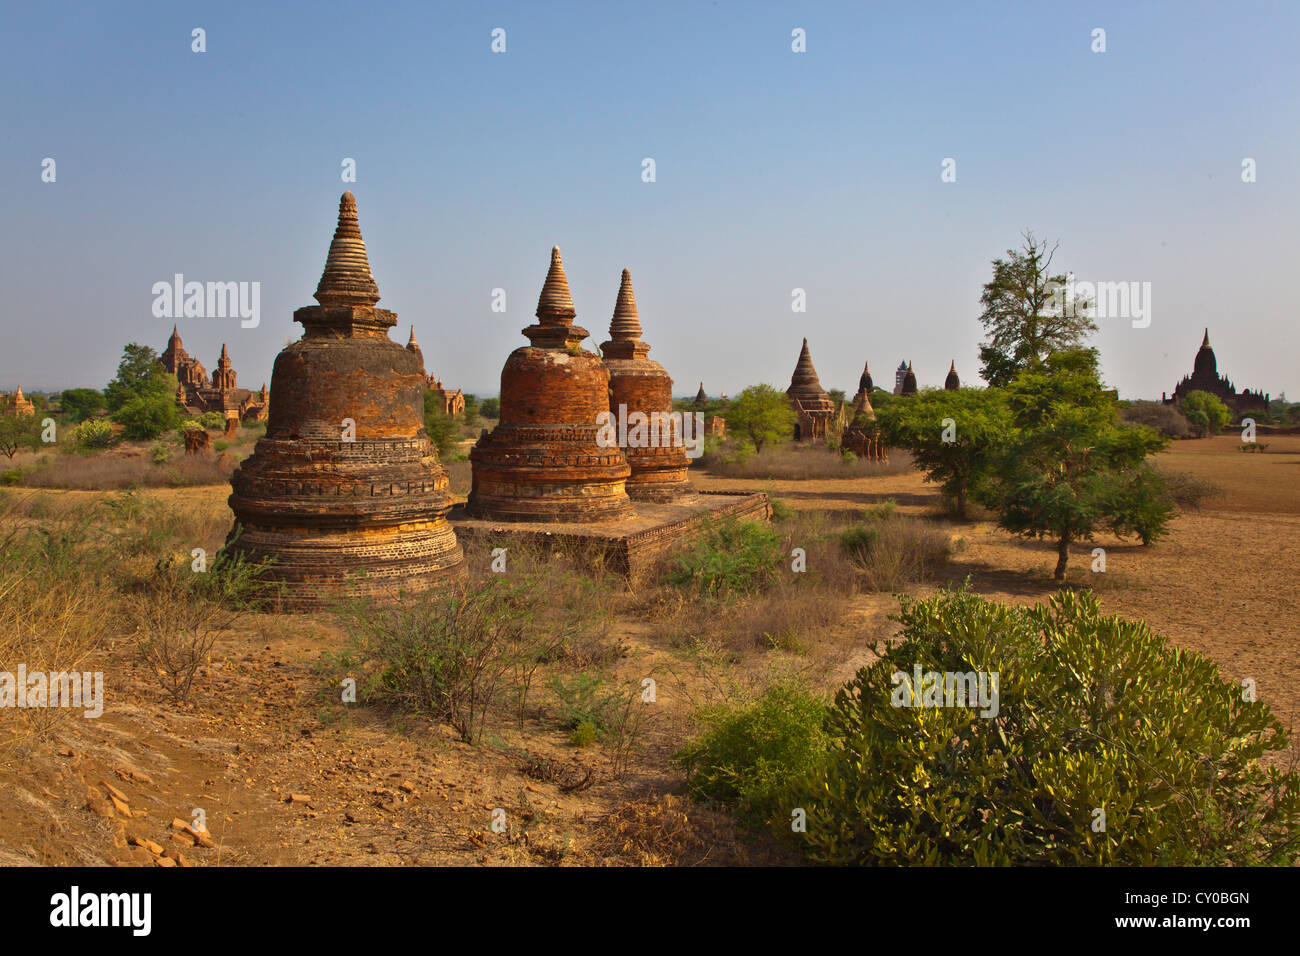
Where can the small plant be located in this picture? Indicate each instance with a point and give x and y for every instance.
(220, 445)
(781, 511)
(212, 421)
(92, 434)
(160, 454)
(729, 556)
(584, 735)
(747, 755)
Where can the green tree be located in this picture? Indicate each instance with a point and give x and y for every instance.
(79, 404)
(761, 415)
(490, 408)
(443, 431)
(18, 432)
(954, 436)
(137, 372)
(1069, 468)
(1205, 413)
(1025, 313)
(146, 416)
(471, 410)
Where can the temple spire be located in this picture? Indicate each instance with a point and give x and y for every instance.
(1205, 342)
(626, 323)
(347, 279)
(555, 305)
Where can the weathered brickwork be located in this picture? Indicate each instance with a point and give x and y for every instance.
(345, 494)
(638, 384)
(543, 462)
(810, 401)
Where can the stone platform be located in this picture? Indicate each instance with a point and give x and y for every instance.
(631, 546)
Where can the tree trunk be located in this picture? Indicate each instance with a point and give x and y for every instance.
(1062, 558)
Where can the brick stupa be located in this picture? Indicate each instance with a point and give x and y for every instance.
(811, 402)
(543, 463)
(654, 451)
(345, 494)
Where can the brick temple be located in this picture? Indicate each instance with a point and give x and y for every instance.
(542, 462)
(345, 494)
(811, 403)
(860, 434)
(197, 393)
(639, 385)
(952, 383)
(1205, 377)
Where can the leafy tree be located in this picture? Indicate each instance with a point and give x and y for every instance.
(1205, 413)
(79, 404)
(146, 416)
(443, 431)
(837, 395)
(18, 432)
(1069, 468)
(1025, 314)
(953, 436)
(471, 410)
(490, 408)
(761, 415)
(138, 372)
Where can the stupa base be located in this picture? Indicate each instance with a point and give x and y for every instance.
(631, 546)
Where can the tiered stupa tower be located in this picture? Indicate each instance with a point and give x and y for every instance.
(952, 383)
(543, 461)
(811, 402)
(638, 384)
(345, 494)
(909, 381)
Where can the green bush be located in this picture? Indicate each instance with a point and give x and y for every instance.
(92, 434)
(748, 755)
(1093, 714)
(160, 454)
(11, 476)
(729, 556)
(212, 421)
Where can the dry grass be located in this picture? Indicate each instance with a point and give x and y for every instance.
(106, 472)
(798, 462)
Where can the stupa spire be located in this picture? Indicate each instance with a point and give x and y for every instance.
(555, 304)
(347, 279)
(804, 373)
(626, 323)
(1205, 342)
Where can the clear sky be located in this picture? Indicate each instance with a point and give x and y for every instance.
(775, 170)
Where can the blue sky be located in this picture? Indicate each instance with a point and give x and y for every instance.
(774, 171)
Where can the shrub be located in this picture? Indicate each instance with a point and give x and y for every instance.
(1205, 413)
(1186, 490)
(895, 551)
(729, 556)
(781, 511)
(92, 434)
(212, 421)
(1165, 419)
(11, 476)
(748, 755)
(160, 454)
(1091, 713)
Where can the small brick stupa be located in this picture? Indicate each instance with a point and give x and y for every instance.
(654, 449)
(543, 462)
(811, 403)
(345, 494)
(952, 383)
(861, 436)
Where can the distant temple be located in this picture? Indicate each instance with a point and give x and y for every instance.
(812, 405)
(908, 386)
(197, 394)
(952, 383)
(16, 405)
(899, 374)
(1205, 377)
(453, 403)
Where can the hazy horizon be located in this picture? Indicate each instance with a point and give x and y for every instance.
(775, 170)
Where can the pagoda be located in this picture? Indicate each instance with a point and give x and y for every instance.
(344, 496)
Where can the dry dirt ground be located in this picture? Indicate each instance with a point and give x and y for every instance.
(286, 775)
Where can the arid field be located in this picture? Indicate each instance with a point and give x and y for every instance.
(287, 774)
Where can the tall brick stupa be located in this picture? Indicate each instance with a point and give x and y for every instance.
(654, 449)
(543, 462)
(345, 494)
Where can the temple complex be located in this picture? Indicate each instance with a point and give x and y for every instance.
(811, 403)
(1205, 377)
(543, 461)
(197, 394)
(344, 495)
(637, 384)
(952, 383)
(16, 405)
(453, 403)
